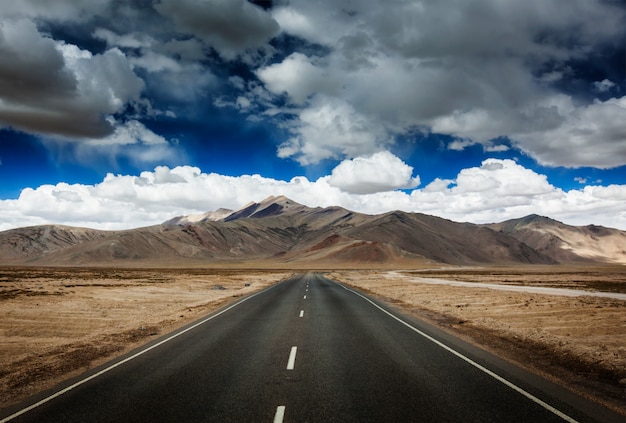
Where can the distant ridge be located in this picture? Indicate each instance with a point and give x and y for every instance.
(567, 243)
(281, 232)
(271, 206)
(213, 216)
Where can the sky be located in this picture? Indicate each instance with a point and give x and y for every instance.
(117, 114)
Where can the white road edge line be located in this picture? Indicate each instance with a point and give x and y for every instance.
(472, 362)
(280, 414)
(301, 313)
(291, 363)
(126, 360)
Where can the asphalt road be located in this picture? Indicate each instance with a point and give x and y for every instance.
(308, 350)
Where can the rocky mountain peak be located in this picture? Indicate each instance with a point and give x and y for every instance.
(271, 206)
(212, 216)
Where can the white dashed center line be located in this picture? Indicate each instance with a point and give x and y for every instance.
(292, 358)
(280, 413)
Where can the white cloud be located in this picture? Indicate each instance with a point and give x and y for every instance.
(488, 70)
(503, 178)
(592, 135)
(496, 148)
(130, 132)
(154, 62)
(131, 142)
(298, 77)
(131, 40)
(495, 191)
(242, 103)
(184, 83)
(503, 189)
(174, 68)
(237, 82)
(459, 145)
(293, 22)
(604, 85)
(331, 128)
(319, 22)
(378, 172)
(106, 81)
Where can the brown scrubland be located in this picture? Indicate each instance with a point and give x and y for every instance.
(578, 342)
(59, 322)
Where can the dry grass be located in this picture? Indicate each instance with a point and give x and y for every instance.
(579, 342)
(58, 322)
(599, 278)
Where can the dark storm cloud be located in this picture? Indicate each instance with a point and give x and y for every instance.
(229, 26)
(31, 66)
(51, 87)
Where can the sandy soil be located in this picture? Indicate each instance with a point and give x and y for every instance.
(57, 323)
(579, 342)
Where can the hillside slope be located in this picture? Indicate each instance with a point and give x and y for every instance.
(279, 231)
(567, 243)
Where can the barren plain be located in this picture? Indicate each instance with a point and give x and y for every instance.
(59, 322)
(577, 341)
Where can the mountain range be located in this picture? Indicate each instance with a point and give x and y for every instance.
(280, 232)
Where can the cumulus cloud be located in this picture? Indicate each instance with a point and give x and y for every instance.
(131, 40)
(298, 77)
(487, 70)
(495, 191)
(591, 135)
(174, 68)
(502, 189)
(59, 10)
(330, 128)
(604, 85)
(130, 132)
(379, 172)
(230, 26)
(131, 141)
(58, 88)
(322, 22)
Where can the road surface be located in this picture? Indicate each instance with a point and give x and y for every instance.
(308, 350)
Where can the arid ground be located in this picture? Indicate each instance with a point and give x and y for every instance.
(57, 323)
(579, 341)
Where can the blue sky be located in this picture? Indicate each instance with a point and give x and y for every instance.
(124, 114)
